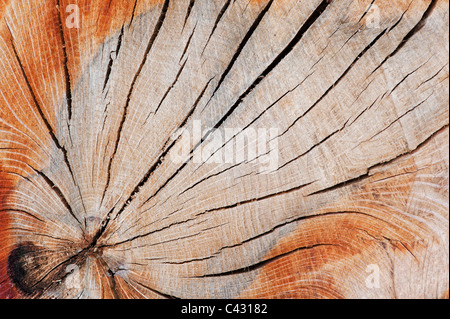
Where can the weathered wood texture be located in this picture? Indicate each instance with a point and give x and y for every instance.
(93, 203)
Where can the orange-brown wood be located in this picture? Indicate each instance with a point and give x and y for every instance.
(388, 217)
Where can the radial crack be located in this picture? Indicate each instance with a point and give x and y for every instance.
(130, 92)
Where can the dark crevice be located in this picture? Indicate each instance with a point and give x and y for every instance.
(23, 265)
(58, 192)
(261, 264)
(159, 293)
(208, 177)
(109, 5)
(405, 77)
(254, 200)
(309, 22)
(248, 125)
(18, 175)
(306, 26)
(365, 110)
(102, 229)
(272, 230)
(188, 261)
(367, 48)
(256, 119)
(404, 246)
(153, 167)
(401, 17)
(410, 151)
(187, 44)
(362, 92)
(188, 13)
(20, 211)
(65, 64)
(111, 275)
(358, 179)
(164, 154)
(170, 87)
(346, 42)
(367, 11)
(74, 259)
(349, 182)
(146, 234)
(432, 77)
(241, 46)
(112, 281)
(219, 17)
(289, 222)
(39, 108)
(61, 274)
(312, 147)
(111, 60)
(194, 106)
(133, 83)
(391, 241)
(399, 118)
(410, 34)
(399, 175)
(133, 12)
(43, 117)
(172, 240)
(33, 231)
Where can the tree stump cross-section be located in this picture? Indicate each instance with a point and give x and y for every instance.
(224, 149)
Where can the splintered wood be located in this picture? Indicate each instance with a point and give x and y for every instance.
(224, 149)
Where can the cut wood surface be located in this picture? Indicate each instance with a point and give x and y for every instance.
(119, 177)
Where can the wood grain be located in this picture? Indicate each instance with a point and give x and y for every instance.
(93, 204)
